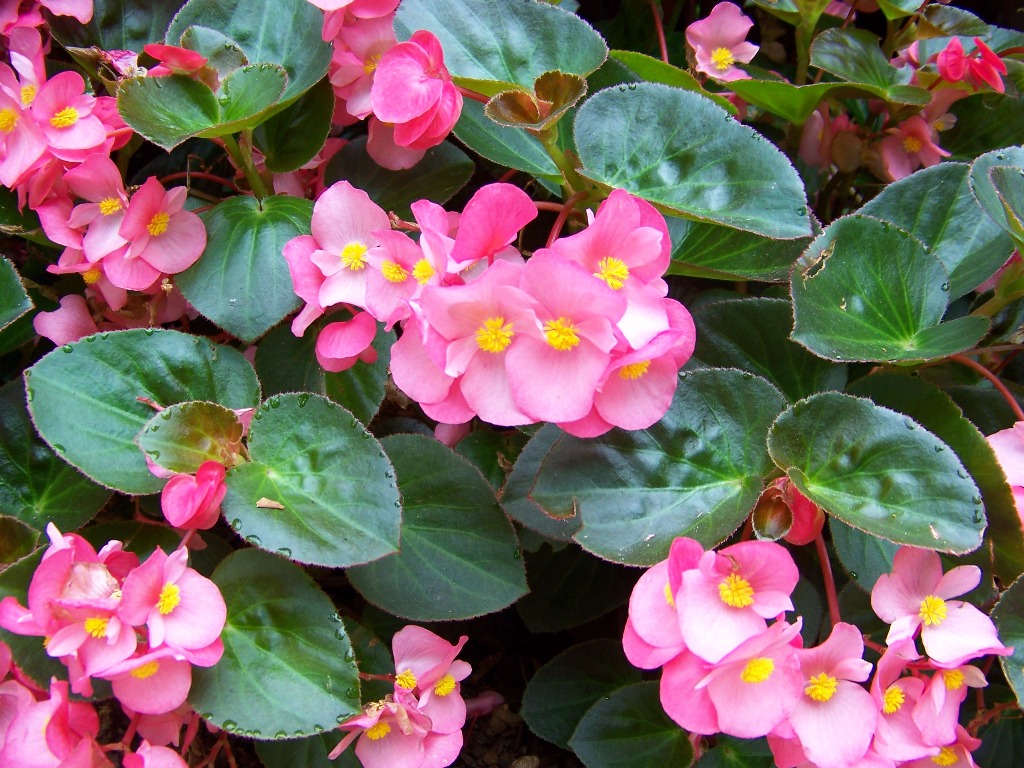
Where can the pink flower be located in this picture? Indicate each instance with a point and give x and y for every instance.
(391, 735)
(956, 754)
(149, 756)
(897, 736)
(152, 682)
(916, 595)
(63, 111)
(1008, 445)
(189, 501)
(427, 670)
(69, 323)
(938, 707)
(983, 66)
(719, 41)
(911, 145)
(340, 345)
(98, 181)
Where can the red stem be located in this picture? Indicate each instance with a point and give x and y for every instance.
(660, 30)
(829, 579)
(1000, 387)
(129, 734)
(200, 175)
(563, 214)
(472, 95)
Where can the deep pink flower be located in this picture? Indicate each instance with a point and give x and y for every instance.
(719, 41)
(150, 756)
(193, 501)
(63, 111)
(490, 222)
(982, 66)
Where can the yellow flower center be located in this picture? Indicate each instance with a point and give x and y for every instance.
(668, 596)
(946, 756)
(406, 680)
(494, 335)
(757, 670)
(353, 256)
(445, 685)
(97, 626)
(613, 271)
(371, 63)
(911, 145)
(892, 699)
(634, 370)
(821, 687)
(736, 592)
(65, 118)
(423, 270)
(953, 679)
(170, 597)
(91, 276)
(393, 272)
(722, 58)
(111, 205)
(158, 224)
(378, 731)
(28, 95)
(8, 120)
(561, 334)
(933, 611)
(145, 670)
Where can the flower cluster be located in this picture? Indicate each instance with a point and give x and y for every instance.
(581, 334)
(420, 724)
(105, 615)
(703, 617)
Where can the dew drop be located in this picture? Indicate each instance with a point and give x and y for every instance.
(962, 474)
(939, 448)
(340, 634)
(104, 336)
(518, 554)
(258, 415)
(67, 349)
(206, 715)
(155, 428)
(910, 425)
(302, 400)
(236, 524)
(151, 331)
(945, 287)
(284, 551)
(301, 733)
(631, 86)
(334, 617)
(275, 402)
(31, 394)
(59, 448)
(254, 540)
(353, 692)
(747, 376)
(318, 728)
(90, 339)
(349, 656)
(853, 575)
(165, 415)
(977, 500)
(230, 725)
(281, 735)
(340, 719)
(256, 733)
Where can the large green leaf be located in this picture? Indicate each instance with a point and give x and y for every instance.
(511, 42)
(1008, 616)
(460, 557)
(242, 282)
(288, 669)
(630, 729)
(795, 103)
(730, 752)
(511, 147)
(282, 32)
(116, 25)
(35, 486)
(701, 249)
(868, 290)
(695, 473)
(879, 471)
(293, 136)
(183, 436)
(936, 206)
(854, 55)
(753, 335)
(14, 301)
(680, 151)
(984, 122)
(1008, 182)
(442, 172)
(319, 488)
(516, 496)
(982, 183)
(103, 379)
(561, 692)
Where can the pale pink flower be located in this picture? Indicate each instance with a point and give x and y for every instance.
(357, 52)
(193, 501)
(938, 708)
(956, 754)
(341, 344)
(63, 111)
(909, 146)
(151, 682)
(69, 323)
(426, 669)
(719, 42)
(98, 181)
(1008, 446)
(150, 756)
(392, 735)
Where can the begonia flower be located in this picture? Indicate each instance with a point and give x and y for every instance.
(151, 682)
(153, 756)
(391, 735)
(70, 322)
(341, 344)
(956, 754)
(909, 146)
(1008, 446)
(897, 737)
(938, 708)
(719, 42)
(981, 67)
(427, 668)
(193, 501)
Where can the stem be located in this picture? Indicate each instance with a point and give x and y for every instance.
(563, 214)
(200, 175)
(994, 380)
(129, 734)
(472, 94)
(243, 159)
(571, 181)
(662, 45)
(829, 579)
(803, 54)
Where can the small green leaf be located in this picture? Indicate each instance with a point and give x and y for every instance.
(1008, 616)
(701, 249)
(319, 488)
(510, 147)
(242, 282)
(293, 136)
(14, 300)
(655, 70)
(288, 665)
(17, 539)
(460, 557)
(708, 167)
(878, 471)
(898, 9)
(561, 692)
(116, 25)
(854, 55)
(183, 436)
(630, 729)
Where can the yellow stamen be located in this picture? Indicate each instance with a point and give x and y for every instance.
(946, 756)
(821, 687)
(445, 685)
(8, 120)
(911, 145)
(892, 699)
(561, 334)
(170, 597)
(371, 63)
(757, 670)
(933, 611)
(634, 370)
(158, 224)
(406, 680)
(736, 591)
(378, 731)
(668, 596)
(423, 270)
(953, 679)
(494, 335)
(722, 58)
(65, 118)
(613, 271)
(91, 276)
(145, 670)
(394, 272)
(28, 95)
(353, 256)
(111, 205)
(97, 626)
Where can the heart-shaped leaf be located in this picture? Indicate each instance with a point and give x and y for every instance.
(854, 55)
(183, 436)
(292, 137)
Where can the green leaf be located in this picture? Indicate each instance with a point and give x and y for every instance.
(984, 122)
(492, 452)
(878, 471)
(286, 363)
(936, 206)
(864, 557)
(16, 539)
(516, 497)
(282, 32)
(701, 249)
(795, 103)
(630, 729)
(707, 167)
(223, 55)
(1001, 742)
(169, 110)
(14, 300)
(1008, 616)
(983, 184)
(867, 290)
(36, 487)
(897, 9)
(116, 25)
(783, 9)
(293, 136)
(943, 21)
(101, 378)
(654, 70)
(288, 668)
(183, 436)
(28, 650)
(510, 147)
(561, 692)
(510, 42)
(459, 556)
(699, 469)
(242, 282)
(1009, 185)
(319, 488)
(442, 172)
(854, 55)
(752, 335)
(730, 752)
